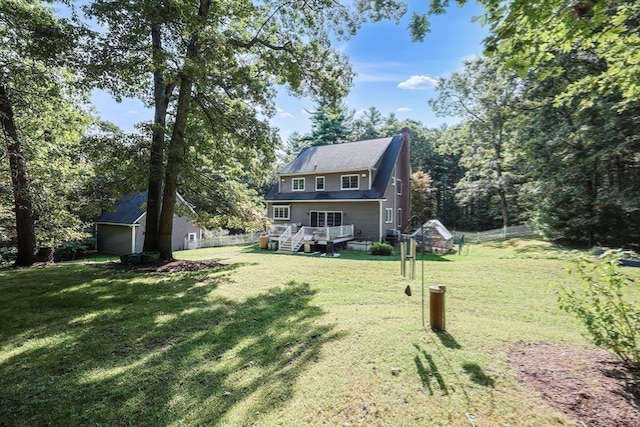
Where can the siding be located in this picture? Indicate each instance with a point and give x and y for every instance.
(332, 181)
(114, 239)
(363, 215)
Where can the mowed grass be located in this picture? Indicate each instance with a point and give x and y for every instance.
(280, 340)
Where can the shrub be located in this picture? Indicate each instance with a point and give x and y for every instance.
(611, 318)
(379, 248)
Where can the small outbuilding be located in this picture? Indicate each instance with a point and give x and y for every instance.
(436, 237)
(122, 230)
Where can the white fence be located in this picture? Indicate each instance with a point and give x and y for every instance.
(227, 240)
(497, 234)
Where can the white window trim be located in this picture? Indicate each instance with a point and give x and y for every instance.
(388, 216)
(293, 186)
(400, 217)
(286, 208)
(324, 183)
(349, 188)
(326, 215)
(399, 187)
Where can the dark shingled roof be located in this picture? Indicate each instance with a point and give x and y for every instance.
(380, 153)
(338, 157)
(126, 210)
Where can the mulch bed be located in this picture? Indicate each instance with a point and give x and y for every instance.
(590, 386)
(174, 266)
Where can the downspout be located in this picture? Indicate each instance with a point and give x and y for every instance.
(380, 221)
(394, 214)
(133, 239)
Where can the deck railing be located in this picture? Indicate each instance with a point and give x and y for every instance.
(329, 233)
(318, 233)
(296, 239)
(284, 236)
(278, 229)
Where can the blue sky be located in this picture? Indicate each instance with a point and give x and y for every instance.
(394, 74)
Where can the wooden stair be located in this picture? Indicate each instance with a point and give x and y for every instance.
(286, 247)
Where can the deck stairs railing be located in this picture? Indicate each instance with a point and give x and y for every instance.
(292, 243)
(282, 239)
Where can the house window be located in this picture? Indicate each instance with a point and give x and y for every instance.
(281, 212)
(388, 216)
(400, 218)
(191, 237)
(349, 182)
(325, 219)
(319, 183)
(399, 187)
(297, 184)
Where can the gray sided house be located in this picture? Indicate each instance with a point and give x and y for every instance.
(121, 231)
(362, 186)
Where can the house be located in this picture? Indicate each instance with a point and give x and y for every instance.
(121, 231)
(332, 193)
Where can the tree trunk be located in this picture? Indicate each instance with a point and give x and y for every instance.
(23, 207)
(161, 96)
(175, 154)
(174, 165)
(497, 152)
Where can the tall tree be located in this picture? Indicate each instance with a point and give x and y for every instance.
(330, 122)
(423, 198)
(35, 45)
(368, 126)
(486, 96)
(127, 56)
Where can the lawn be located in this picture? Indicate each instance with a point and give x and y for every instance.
(272, 339)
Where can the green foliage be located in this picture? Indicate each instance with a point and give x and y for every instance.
(612, 319)
(381, 248)
(533, 32)
(330, 123)
(487, 96)
(423, 198)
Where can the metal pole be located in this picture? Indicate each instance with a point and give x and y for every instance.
(422, 264)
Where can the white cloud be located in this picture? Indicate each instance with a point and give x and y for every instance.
(418, 83)
(404, 109)
(376, 72)
(283, 114)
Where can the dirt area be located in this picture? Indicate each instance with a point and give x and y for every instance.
(589, 386)
(174, 266)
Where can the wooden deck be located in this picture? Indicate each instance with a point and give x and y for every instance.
(290, 241)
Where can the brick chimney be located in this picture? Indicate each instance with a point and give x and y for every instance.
(405, 173)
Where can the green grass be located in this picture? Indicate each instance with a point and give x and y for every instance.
(279, 340)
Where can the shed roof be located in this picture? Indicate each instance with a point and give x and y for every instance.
(127, 210)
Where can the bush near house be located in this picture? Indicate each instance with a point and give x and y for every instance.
(379, 248)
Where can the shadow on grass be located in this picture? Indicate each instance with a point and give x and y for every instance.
(85, 346)
(477, 375)
(448, 340)
(429, 373)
